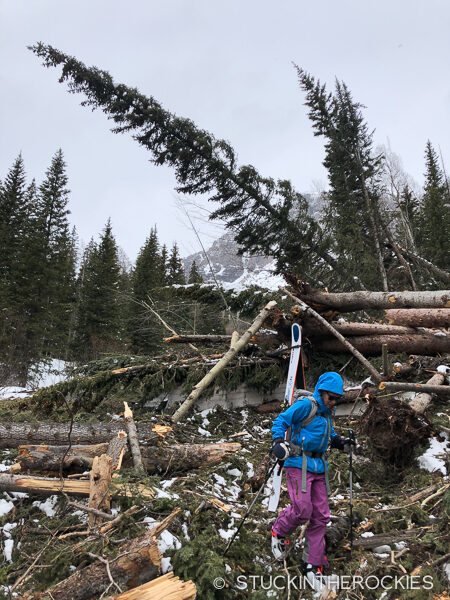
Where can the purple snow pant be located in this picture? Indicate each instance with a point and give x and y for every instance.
(310, 506)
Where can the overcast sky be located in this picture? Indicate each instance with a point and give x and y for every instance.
(226, 65)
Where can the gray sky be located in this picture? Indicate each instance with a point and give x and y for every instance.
(227, 66)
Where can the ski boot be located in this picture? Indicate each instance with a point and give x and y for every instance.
(280, 546)
(314, 575)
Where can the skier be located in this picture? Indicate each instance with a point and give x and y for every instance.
(310, 432)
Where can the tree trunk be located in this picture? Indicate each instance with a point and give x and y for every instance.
(166, 586)
(421, 402)
(419, 317)
(15, 434)
(314, 328)
(138, 561)
(361, 300)
(133, 438)
(99, 480)
(431, 387)
(211, 375)
(180, 457)
(417, 343)
(72, 487)
(386, 538)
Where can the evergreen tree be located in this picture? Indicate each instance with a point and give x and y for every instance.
(175, 271)
(164, 265)
(98, 323)
(55, 258)
(268, 217)
(352, 213)
(194, 274)
(435, 213)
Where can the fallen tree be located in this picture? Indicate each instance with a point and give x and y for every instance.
(16, 434)
(179, 457)
(72, 487)
(419, 317)
(431, 387)
(415, 343)
(364, 300)
(138, 561)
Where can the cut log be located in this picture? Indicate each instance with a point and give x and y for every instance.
(133, 438)
(16, 434)
(364, 300)
(178, 457)
(138, 561)
(419, 317)
(211, 375)
(72, 487)
(428, 388)
(166, 587)
(99, 480)
(371, 345)
(313, 328)
(343, 342)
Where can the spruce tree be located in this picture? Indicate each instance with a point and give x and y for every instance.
(194, 274)
(98, 320)
(435, 213)
(175, 271)
(55, 257)
(268, 216)
(352, 211)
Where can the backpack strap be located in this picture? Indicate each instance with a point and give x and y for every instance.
(307, 420)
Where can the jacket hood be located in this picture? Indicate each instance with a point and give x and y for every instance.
(329, 382)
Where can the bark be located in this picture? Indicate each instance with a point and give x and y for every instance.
(432, 344)
(428, 388)
(421, 402)
(48, 458)
(312, 327)
(260, 339)
(386, 538)
(117, 448)
(72, 487)
(179, 457)
(417, 317)
(211, 375)
(364, 300)
(167, 586)
(138, 561)
(99, 480)
(185, 457)
(15, 434)
(444, 275)
(133, 438)
(307, 309)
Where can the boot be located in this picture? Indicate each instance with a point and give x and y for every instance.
(280, 546)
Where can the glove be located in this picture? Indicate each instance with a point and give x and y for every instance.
(279, 449)
(349, 443)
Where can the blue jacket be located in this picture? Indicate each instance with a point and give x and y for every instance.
(317, 435)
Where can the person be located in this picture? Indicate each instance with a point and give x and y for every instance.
(309, 421)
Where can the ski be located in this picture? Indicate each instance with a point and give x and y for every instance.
(296, 345)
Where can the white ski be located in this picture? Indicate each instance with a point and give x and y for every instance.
(296, 344)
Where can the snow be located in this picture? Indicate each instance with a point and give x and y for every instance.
(4, 467)
(48, 373)
(167, 483)
(367, 534)
(234, 472)
(204, 432)
(8, 548)
(48, 507)
(430, 461)
(227, 534)
(264, 278)
(184, 529)
(13, 392)
(220, 480)
(443, 369)
(5, 507)
(162, 494)
(166, 565)
(250, 471)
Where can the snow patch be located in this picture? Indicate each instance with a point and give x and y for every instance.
(5, 507)
(48, 507)
(430, 461)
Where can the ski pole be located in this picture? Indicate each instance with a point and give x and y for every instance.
(352, 438)
(266, 479)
